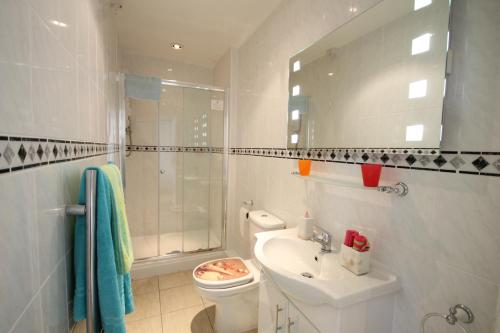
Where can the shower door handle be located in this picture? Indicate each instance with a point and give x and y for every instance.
(162, 171)
(277, 325)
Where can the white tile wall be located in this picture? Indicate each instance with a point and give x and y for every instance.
(441, 239)
(57, 82)
(36, 239)
(165, 69)
(43, 64)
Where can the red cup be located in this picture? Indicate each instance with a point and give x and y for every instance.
(371, 174)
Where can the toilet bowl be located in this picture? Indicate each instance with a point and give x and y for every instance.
(233, 283)
(236, 308)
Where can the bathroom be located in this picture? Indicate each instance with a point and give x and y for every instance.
(224, 119)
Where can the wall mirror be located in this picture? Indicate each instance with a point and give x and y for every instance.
(377, 81)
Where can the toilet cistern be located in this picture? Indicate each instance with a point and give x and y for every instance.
(324, 238)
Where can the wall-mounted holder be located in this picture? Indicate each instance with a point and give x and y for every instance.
(458, 314)
(400, 189)
(355, 261)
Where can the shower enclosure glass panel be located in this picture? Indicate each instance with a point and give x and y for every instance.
(171, 164)
(216, 134)
(196, 181)
(175, 171)
(142, 177)
(191, 202)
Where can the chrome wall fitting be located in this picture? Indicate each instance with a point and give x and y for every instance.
(458, 314)
(400, 189)
(452, 318)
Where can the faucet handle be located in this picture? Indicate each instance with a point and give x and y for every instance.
(320, 232)
(323, 237)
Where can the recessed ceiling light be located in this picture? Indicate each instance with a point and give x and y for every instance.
(176, 46)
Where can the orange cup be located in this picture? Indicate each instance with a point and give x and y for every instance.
(304, 167)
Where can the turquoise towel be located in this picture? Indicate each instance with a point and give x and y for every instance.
(114, 291)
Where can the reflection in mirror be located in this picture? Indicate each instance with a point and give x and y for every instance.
(376, 82)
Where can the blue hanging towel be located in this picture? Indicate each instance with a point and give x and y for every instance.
(113, 290)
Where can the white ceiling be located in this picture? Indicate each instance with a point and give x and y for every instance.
(206, 28)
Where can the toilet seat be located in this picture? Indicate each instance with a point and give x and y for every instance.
(222, 273)
(229, 286)
(217, 294)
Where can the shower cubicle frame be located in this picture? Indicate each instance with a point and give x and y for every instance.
(225, 168)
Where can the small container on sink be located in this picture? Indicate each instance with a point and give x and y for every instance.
(355, 261)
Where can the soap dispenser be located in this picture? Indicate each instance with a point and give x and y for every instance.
(305, 227)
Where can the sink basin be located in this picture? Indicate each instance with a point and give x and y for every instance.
(304, 273)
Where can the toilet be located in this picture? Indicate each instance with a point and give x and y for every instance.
(233, 283)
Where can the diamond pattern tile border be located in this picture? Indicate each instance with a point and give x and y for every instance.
(474, 163)
(20, 153)
(175, 149)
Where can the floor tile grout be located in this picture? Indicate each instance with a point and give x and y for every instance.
(154, 286)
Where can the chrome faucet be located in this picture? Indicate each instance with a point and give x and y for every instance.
(322, 237)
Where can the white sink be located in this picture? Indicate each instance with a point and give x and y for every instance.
(286, 257)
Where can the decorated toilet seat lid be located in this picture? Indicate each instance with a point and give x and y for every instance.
(222, 273)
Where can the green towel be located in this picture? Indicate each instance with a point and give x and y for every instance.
(113, 291)
(124, 256)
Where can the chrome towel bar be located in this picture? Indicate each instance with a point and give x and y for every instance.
(89, 210)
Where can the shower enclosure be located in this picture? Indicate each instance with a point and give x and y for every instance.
(176, 170)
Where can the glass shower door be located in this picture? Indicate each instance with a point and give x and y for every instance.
(174, 172)
(196, 169)
(191, 125)
(216, 135)
(142, 176)
(171, 170)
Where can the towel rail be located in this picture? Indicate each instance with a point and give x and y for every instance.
(89, 210)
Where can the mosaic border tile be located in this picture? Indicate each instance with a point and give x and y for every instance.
(459, 162)
(21, 153)
(175, 149)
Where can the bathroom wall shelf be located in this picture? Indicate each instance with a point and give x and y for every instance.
(400, 189)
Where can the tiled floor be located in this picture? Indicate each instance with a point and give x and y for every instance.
(168, 304)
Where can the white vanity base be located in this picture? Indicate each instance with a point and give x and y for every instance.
(281, 313)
